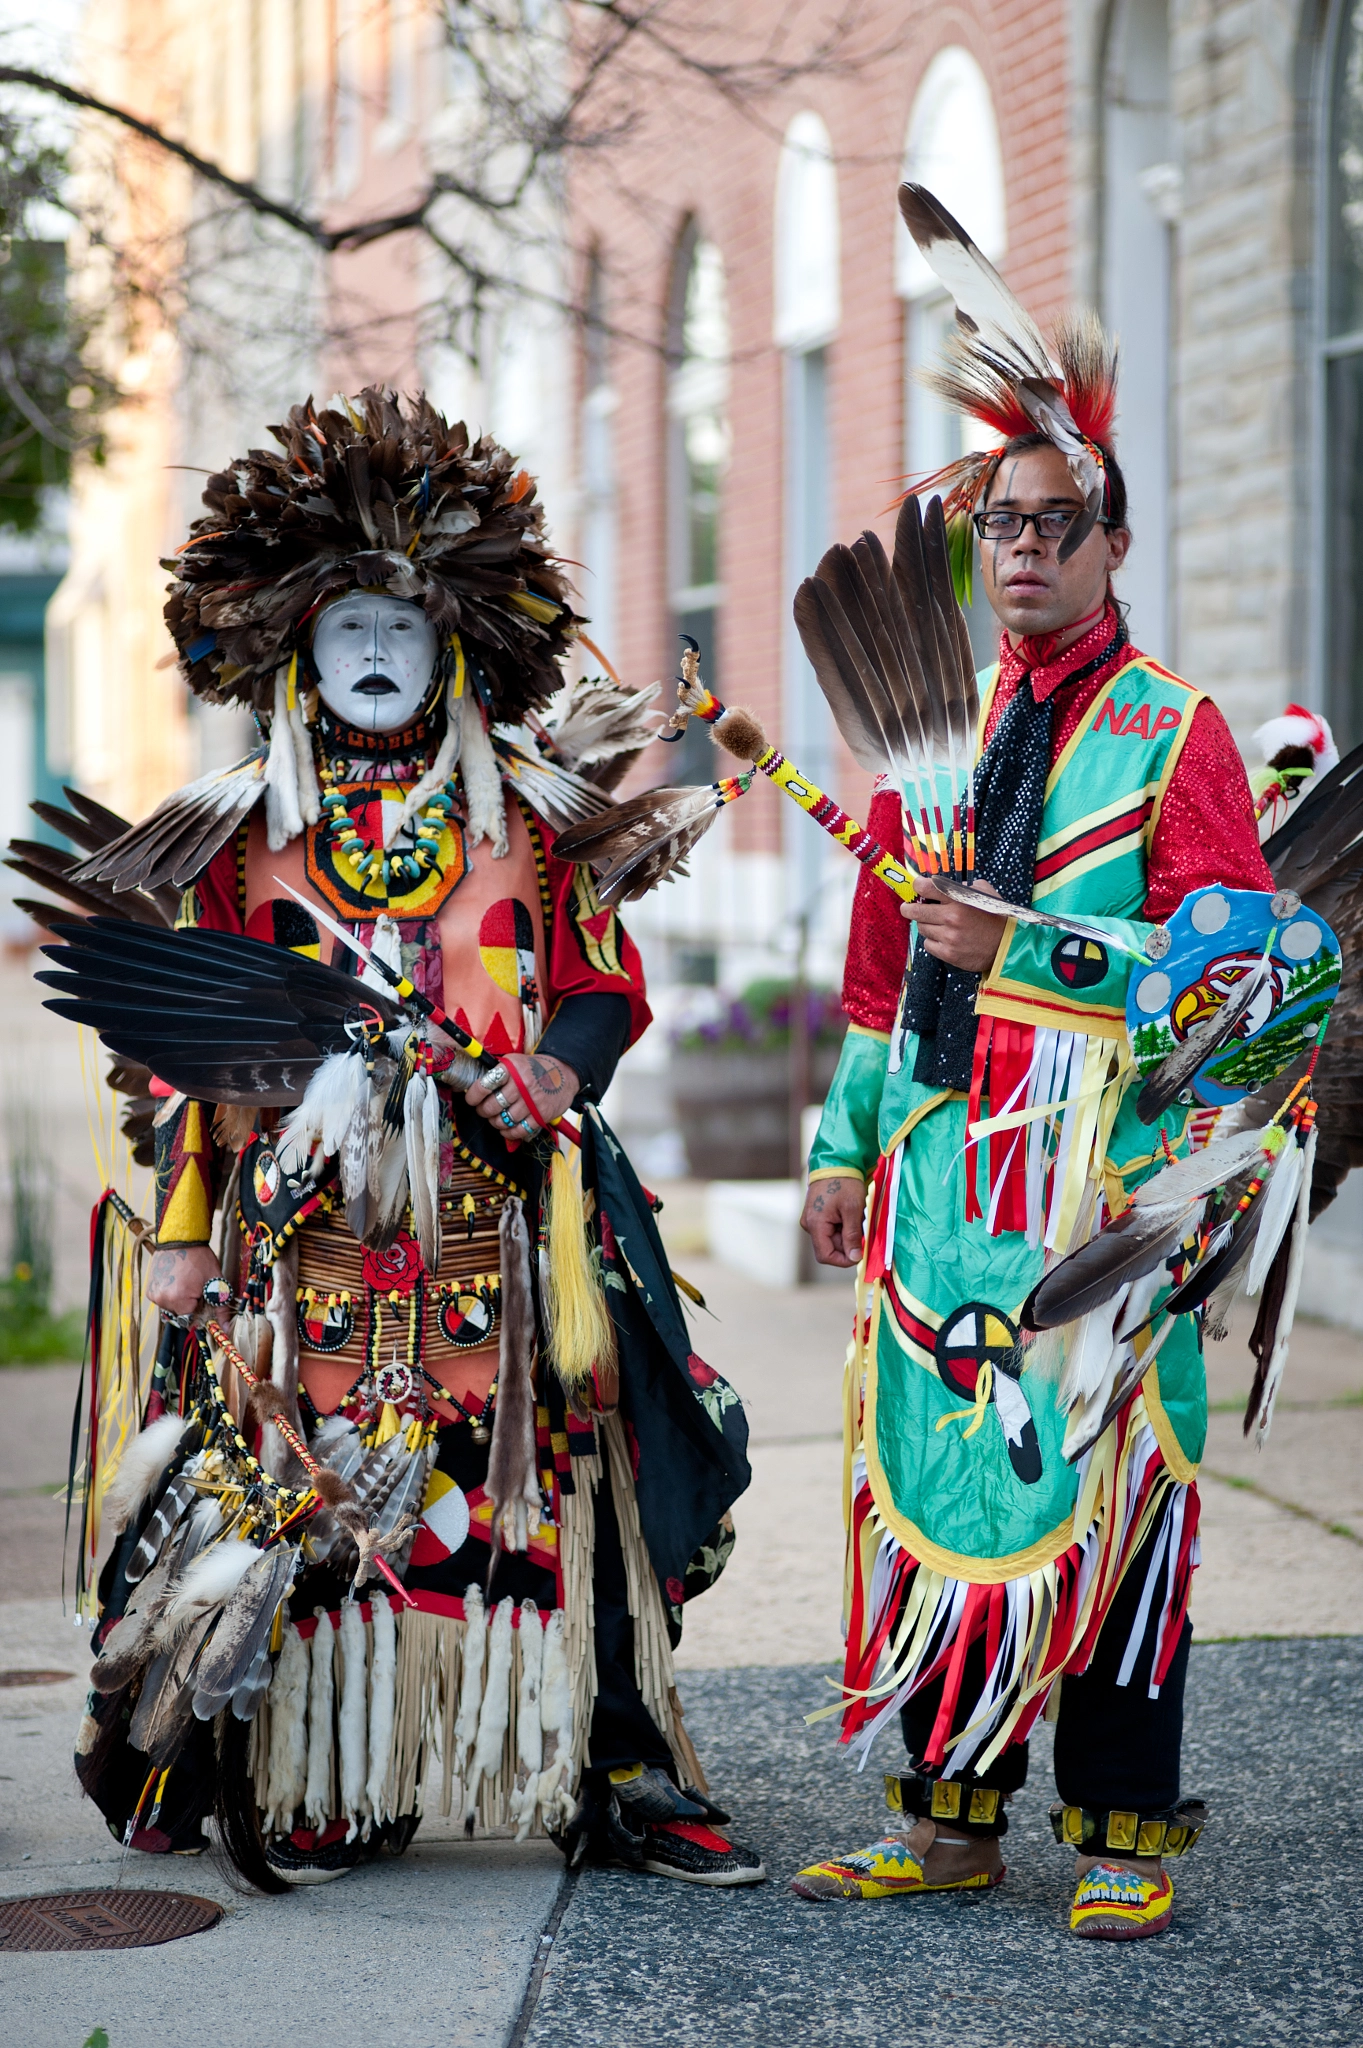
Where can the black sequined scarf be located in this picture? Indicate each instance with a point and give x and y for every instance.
(1010, 789)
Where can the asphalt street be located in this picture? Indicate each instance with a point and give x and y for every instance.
(1265, 1946)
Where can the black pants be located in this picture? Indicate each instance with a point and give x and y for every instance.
(623, 1730)
(1114, 1745)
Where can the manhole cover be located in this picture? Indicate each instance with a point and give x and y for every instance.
(122, 1919)
(34, 1677)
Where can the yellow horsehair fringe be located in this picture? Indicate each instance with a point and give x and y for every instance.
(581, 1333)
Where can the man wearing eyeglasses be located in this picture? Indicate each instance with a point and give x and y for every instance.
(1144, 793)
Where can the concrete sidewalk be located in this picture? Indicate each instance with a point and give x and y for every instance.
(437, 1950)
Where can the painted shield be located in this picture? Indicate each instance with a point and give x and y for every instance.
(1216, 937)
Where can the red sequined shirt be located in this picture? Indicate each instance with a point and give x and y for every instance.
(1206, 831)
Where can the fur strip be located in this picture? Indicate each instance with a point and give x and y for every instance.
(512, 1479)
(482, 780)
(282, 1310)
(321, 1696)
(554, 1792)
(309, 792)
(470, 1682)
(142, 1464)
(355, 1804)
(283, 815)
(495, 1716)
(529, 1734)
(382, 1703)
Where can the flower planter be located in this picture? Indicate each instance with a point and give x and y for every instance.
(733, 1109)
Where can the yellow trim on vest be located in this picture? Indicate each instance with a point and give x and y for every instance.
(1166, 1436)
(865, 1031)
(915, 1116)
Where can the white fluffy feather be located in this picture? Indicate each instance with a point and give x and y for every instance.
(210, 1579)
(288, 1766)
(321, 1697)
(322, 1118)
(495, 1715)
(353, 1718)
(1088, 1355)
(1296, 727)
(382, 1701)
(142, 1464)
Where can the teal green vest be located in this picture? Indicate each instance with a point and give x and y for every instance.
(953, 1498)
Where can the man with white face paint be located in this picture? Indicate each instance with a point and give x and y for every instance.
(418, 1285)
(375, 659)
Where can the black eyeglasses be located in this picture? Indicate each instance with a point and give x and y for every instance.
(1008, 525)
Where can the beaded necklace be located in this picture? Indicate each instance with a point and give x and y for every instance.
(376, 862)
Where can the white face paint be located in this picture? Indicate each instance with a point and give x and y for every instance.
(375, 658)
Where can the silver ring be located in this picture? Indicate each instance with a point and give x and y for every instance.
(507, 1118)
(527, 1123)
(496, 1077)
(500, 1099)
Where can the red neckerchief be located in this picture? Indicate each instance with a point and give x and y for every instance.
(1035, 655)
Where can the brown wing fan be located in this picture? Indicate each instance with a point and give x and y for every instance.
(643, 841)
(175, 844)
(90, 826)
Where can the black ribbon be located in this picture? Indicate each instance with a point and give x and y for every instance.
(1010, 790)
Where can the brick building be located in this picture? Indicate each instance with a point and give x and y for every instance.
(1193, 168)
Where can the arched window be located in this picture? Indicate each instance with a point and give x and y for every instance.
(698, 456)
(1141, 192)
(807, 314)
(952, 147)
(1342, 371)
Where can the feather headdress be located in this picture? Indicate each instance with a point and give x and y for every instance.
(382, 494)
(1000, 371)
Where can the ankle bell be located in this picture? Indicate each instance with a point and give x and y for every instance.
(962, 1805)
(1170, 1832)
